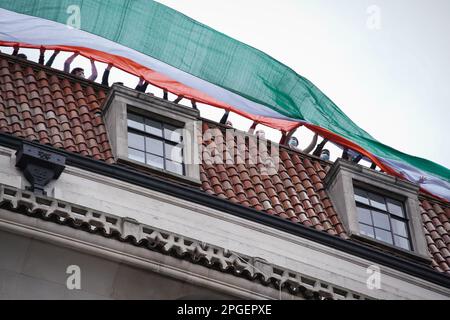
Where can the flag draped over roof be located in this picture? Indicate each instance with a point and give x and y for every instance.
(177, 53)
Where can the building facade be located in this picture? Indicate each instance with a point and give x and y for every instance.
(110, 193)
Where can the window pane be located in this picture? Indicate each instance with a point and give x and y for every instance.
(381, 220)
(361, 196)
(153, 127)
(136, 155)
(364, 215)
(399, 227)
(135, 121)
(154, 146)
(395, 207)
(172, 133)
(174, 153)
(174, 167)
(155, 161)
(366, 230)
(384, 236)
(377, 201)
(135, 141)
(402, 242)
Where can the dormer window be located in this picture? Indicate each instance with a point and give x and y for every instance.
(382, 218)
(155, 143)
(153, 134)
(377, 208)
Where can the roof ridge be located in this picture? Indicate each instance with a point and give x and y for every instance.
(60, 74)
(282, 146)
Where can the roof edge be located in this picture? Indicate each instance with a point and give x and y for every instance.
(57, 72)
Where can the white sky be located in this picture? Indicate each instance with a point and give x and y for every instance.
(392, 81)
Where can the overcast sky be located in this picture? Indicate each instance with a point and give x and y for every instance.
(390, 75)
(385, 63)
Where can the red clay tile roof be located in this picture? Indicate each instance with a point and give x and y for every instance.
(42, 105)
(436, 220)
(296, 193)
(48, 106)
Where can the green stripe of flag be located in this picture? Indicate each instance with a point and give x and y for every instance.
(173, 38)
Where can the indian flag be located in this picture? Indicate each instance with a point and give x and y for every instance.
(189, 59)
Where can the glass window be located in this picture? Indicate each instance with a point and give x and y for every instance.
(361, 196)
(382, 218)
(155, 143)
(366, 230)
(402, 242)
(153, 127)
(154, 146)
(364, 215)
(174, 166)
(155, 160)
(395, 207)
(399, 227)
(377, 201)
(135, 121)
(136, 141)
(174, 153)
(383, 235)
(136, 155)
(172, 133)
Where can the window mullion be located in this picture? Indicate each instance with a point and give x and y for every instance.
(167, 143)
(392, 229)
(369, 207)
(164, 152)
(144, 133)
(401, 219)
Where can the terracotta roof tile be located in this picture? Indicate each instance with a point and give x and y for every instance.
(36, 106)
(437, 229)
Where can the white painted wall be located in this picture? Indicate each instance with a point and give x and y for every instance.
(35, 269)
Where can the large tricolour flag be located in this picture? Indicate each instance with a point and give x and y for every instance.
(177, 53)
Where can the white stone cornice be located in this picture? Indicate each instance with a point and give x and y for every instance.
(168, 243)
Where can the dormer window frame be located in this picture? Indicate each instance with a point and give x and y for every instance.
(341, 181)
(122, 101)
(161, 135)
(381, 218)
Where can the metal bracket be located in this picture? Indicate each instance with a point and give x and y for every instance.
(39, 166)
